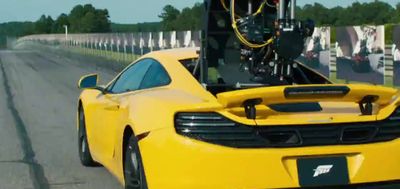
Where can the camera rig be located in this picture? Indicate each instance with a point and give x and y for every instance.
(269, 35)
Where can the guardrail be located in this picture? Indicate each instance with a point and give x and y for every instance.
(135, 43)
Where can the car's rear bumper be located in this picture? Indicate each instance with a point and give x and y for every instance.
(376, 185)
(174, 161)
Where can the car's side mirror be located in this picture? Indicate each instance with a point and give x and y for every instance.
(88, 81)
(91, 82)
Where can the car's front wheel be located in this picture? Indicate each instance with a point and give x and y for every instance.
(84, 152)
(133, 166)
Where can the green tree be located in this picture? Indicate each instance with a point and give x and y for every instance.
(74, 18)
(376, 13)
(88, 23)
(102, 21)
(198, 11)
(184, 21)
(169, 16)
(187, 19)
(44, 24)
(59, 23)
(88, 19)
(140, 27)
(334, 14)
(316, 11)
(396, 18)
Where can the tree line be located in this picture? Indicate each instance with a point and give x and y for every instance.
(88, 19)
(190, 18)
(374, 13)
(81, 19)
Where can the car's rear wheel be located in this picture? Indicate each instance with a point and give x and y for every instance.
(84, 152)
(133, 166)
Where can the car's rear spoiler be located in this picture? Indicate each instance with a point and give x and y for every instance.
(357, 93)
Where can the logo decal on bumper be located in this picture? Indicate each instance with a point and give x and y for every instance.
(322, 169)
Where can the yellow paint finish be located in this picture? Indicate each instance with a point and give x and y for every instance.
(275, 95)
(173, 162)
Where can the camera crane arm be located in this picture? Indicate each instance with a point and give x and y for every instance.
(270, 36)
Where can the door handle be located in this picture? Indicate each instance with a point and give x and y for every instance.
(113, 107)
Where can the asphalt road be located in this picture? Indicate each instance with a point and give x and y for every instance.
(38, 137)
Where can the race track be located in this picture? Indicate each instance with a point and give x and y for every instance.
(38, 137)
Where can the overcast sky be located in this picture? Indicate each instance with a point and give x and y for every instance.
(121, 11)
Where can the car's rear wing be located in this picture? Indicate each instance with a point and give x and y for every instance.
(365, 95)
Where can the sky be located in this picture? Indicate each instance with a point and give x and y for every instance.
(121, 11)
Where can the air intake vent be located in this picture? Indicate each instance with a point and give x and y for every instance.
(361, 134)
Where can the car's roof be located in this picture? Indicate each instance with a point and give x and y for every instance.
(178, 53)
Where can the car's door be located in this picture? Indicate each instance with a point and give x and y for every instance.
(109, 113)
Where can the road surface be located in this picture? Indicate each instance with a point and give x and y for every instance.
(38, 137)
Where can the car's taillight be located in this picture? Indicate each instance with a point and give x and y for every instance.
(214, 128)
(217, 129)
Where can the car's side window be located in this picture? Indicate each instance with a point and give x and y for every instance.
(156, 76)
(131, 79)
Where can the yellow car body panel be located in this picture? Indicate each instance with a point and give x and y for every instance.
(174, 161)
(199, 165)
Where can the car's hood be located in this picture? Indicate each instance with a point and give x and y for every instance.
(311, 104)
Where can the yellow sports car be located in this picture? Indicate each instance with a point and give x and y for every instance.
(156, 126)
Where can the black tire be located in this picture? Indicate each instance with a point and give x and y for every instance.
(84, 152)
(133, 166)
